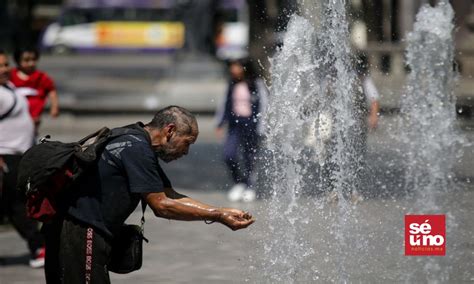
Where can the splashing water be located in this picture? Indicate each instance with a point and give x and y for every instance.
(428, 108)
(313, 126)
(428, 116)
(315, 150)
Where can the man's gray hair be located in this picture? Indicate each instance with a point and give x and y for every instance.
(181, 117)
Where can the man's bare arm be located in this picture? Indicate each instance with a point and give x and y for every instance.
(180, 208)
(172, 205)
(171, 193)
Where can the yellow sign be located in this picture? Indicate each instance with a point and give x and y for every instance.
(140, 34)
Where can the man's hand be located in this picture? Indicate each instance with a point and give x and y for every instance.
(235, 219)
(172, 205)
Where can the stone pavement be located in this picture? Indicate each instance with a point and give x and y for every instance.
(193, 252)
(178, 252)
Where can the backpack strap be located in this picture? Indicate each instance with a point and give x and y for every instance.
(12, 107)
(97, 133)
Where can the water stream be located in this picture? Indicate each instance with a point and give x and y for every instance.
(315, 155)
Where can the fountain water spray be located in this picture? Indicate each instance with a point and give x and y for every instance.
(313, 134)
(315, 150)
(428, 107)
(428, 116)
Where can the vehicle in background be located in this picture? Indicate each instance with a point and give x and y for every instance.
(232, 30)
(115, 25)
(150, 25)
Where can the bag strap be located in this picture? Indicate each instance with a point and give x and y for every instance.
(143, 214)
(12, 107)
(116, 132)
(142, 225)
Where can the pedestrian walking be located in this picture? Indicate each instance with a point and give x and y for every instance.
(241, 113)
(16, 136)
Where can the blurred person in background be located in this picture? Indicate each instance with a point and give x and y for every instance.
(36, 85)
(321, 135)
(16, 136)
(367, 113)
(241, 111)
(370, 91)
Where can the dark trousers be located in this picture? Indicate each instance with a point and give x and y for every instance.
(243, 142)
(13, 205)
(75, 253)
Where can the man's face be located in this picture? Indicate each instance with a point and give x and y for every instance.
(4, 69)
(176, 147)
(28, 62)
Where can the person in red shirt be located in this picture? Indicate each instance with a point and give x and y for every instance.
(36, 85)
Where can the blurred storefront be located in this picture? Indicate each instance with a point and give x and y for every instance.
(196, 26)
(229, 29)
(378, 29)
(382, 38)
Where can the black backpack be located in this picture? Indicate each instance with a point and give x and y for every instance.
(48, 169)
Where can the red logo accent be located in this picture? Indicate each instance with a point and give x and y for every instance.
(425, 235)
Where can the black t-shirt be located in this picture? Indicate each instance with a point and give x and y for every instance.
(110, 192)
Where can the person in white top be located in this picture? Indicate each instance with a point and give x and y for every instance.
(16, 136)
(370, 92)
(16, 127)
(241, 112)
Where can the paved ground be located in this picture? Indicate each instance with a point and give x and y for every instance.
(181, 252)
(178, 252)
(301, 248)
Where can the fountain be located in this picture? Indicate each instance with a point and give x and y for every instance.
(427, 123)
(428, 105)
(313, 88)
(315, 150)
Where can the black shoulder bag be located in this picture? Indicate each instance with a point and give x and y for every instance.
(127, 247)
